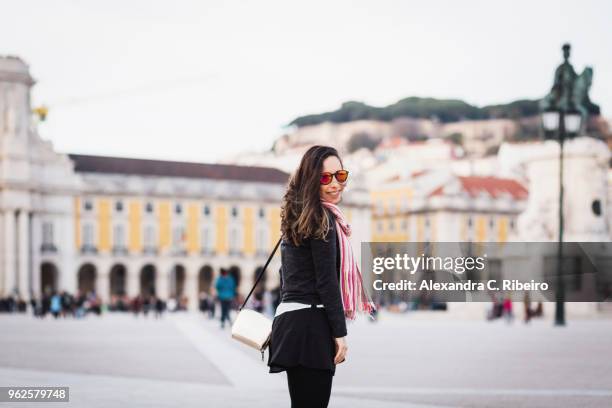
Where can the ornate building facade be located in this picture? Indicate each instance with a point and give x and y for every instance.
(440, 206)
(122, 226)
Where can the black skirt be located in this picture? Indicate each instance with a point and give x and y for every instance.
(302, 338)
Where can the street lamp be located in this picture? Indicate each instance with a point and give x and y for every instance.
(565, 111)
(551, 122)
(572, 122)
(561, 120)
(561, 124)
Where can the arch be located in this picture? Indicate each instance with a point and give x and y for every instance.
(234, 272)
(118, 276)
(205, 279)
(261, 286)
(48, 278)
(177, 281)
(147, 280)
(87, 278)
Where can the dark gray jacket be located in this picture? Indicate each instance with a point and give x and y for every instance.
(310, 274)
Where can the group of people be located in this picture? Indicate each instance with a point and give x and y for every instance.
(12, 304)
(56, 304)
(65, 304)
(502, 308)
(144, 305)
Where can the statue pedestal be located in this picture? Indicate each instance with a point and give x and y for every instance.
(585, 162)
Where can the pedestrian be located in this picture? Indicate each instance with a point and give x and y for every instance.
(527, 307)
(136, 305)
(496, 308)
(80, 305)
(321, 284)
(34, 308)
(46, 304)
(539, 311)
(507, 308)
(146, 305)
(159, 307)
(56, 305)
(226, 291)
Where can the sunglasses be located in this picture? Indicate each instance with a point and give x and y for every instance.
(341, 176)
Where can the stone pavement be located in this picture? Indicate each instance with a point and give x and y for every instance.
(185, 360)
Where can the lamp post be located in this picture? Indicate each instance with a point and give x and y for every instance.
(562, 114)
(565, 111)
(562, 123)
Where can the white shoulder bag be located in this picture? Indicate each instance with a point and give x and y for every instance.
(250, 327)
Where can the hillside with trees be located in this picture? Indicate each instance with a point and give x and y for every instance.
(444, 110)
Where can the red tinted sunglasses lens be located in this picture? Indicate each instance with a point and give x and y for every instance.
(342, 176)
(326, 178)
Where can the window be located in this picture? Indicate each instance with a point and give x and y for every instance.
(260, 242)
(492, 222)
(149, 208)
(233, 244)
(206, 210)
(178, 235)
(262, 212)
(88, 235)
(88, 205)
(391, 225)
(47, 233)
(234, 212)
(178, 209)
(119, 236)
(149, 236)
(206, 238)
(119, 206)
(512, 224)
(470, 222)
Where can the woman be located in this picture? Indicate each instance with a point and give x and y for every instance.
(320, 282)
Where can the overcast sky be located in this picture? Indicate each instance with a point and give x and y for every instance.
(198, 80)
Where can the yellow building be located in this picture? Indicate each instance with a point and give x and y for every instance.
(438, 206)
(164, 228)
(123, 227)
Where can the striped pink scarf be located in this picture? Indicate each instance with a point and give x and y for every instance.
(354, 297)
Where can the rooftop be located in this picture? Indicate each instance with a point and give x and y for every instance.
(493, 186)
(163, 168)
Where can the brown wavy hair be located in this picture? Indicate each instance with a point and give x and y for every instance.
(302, 214)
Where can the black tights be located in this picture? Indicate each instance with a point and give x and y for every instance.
(309, 387)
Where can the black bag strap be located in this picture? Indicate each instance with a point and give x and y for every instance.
(261, 274)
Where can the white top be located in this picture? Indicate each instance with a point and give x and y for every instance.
(290, 306)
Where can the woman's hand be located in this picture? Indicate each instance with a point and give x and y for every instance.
(341, 349)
